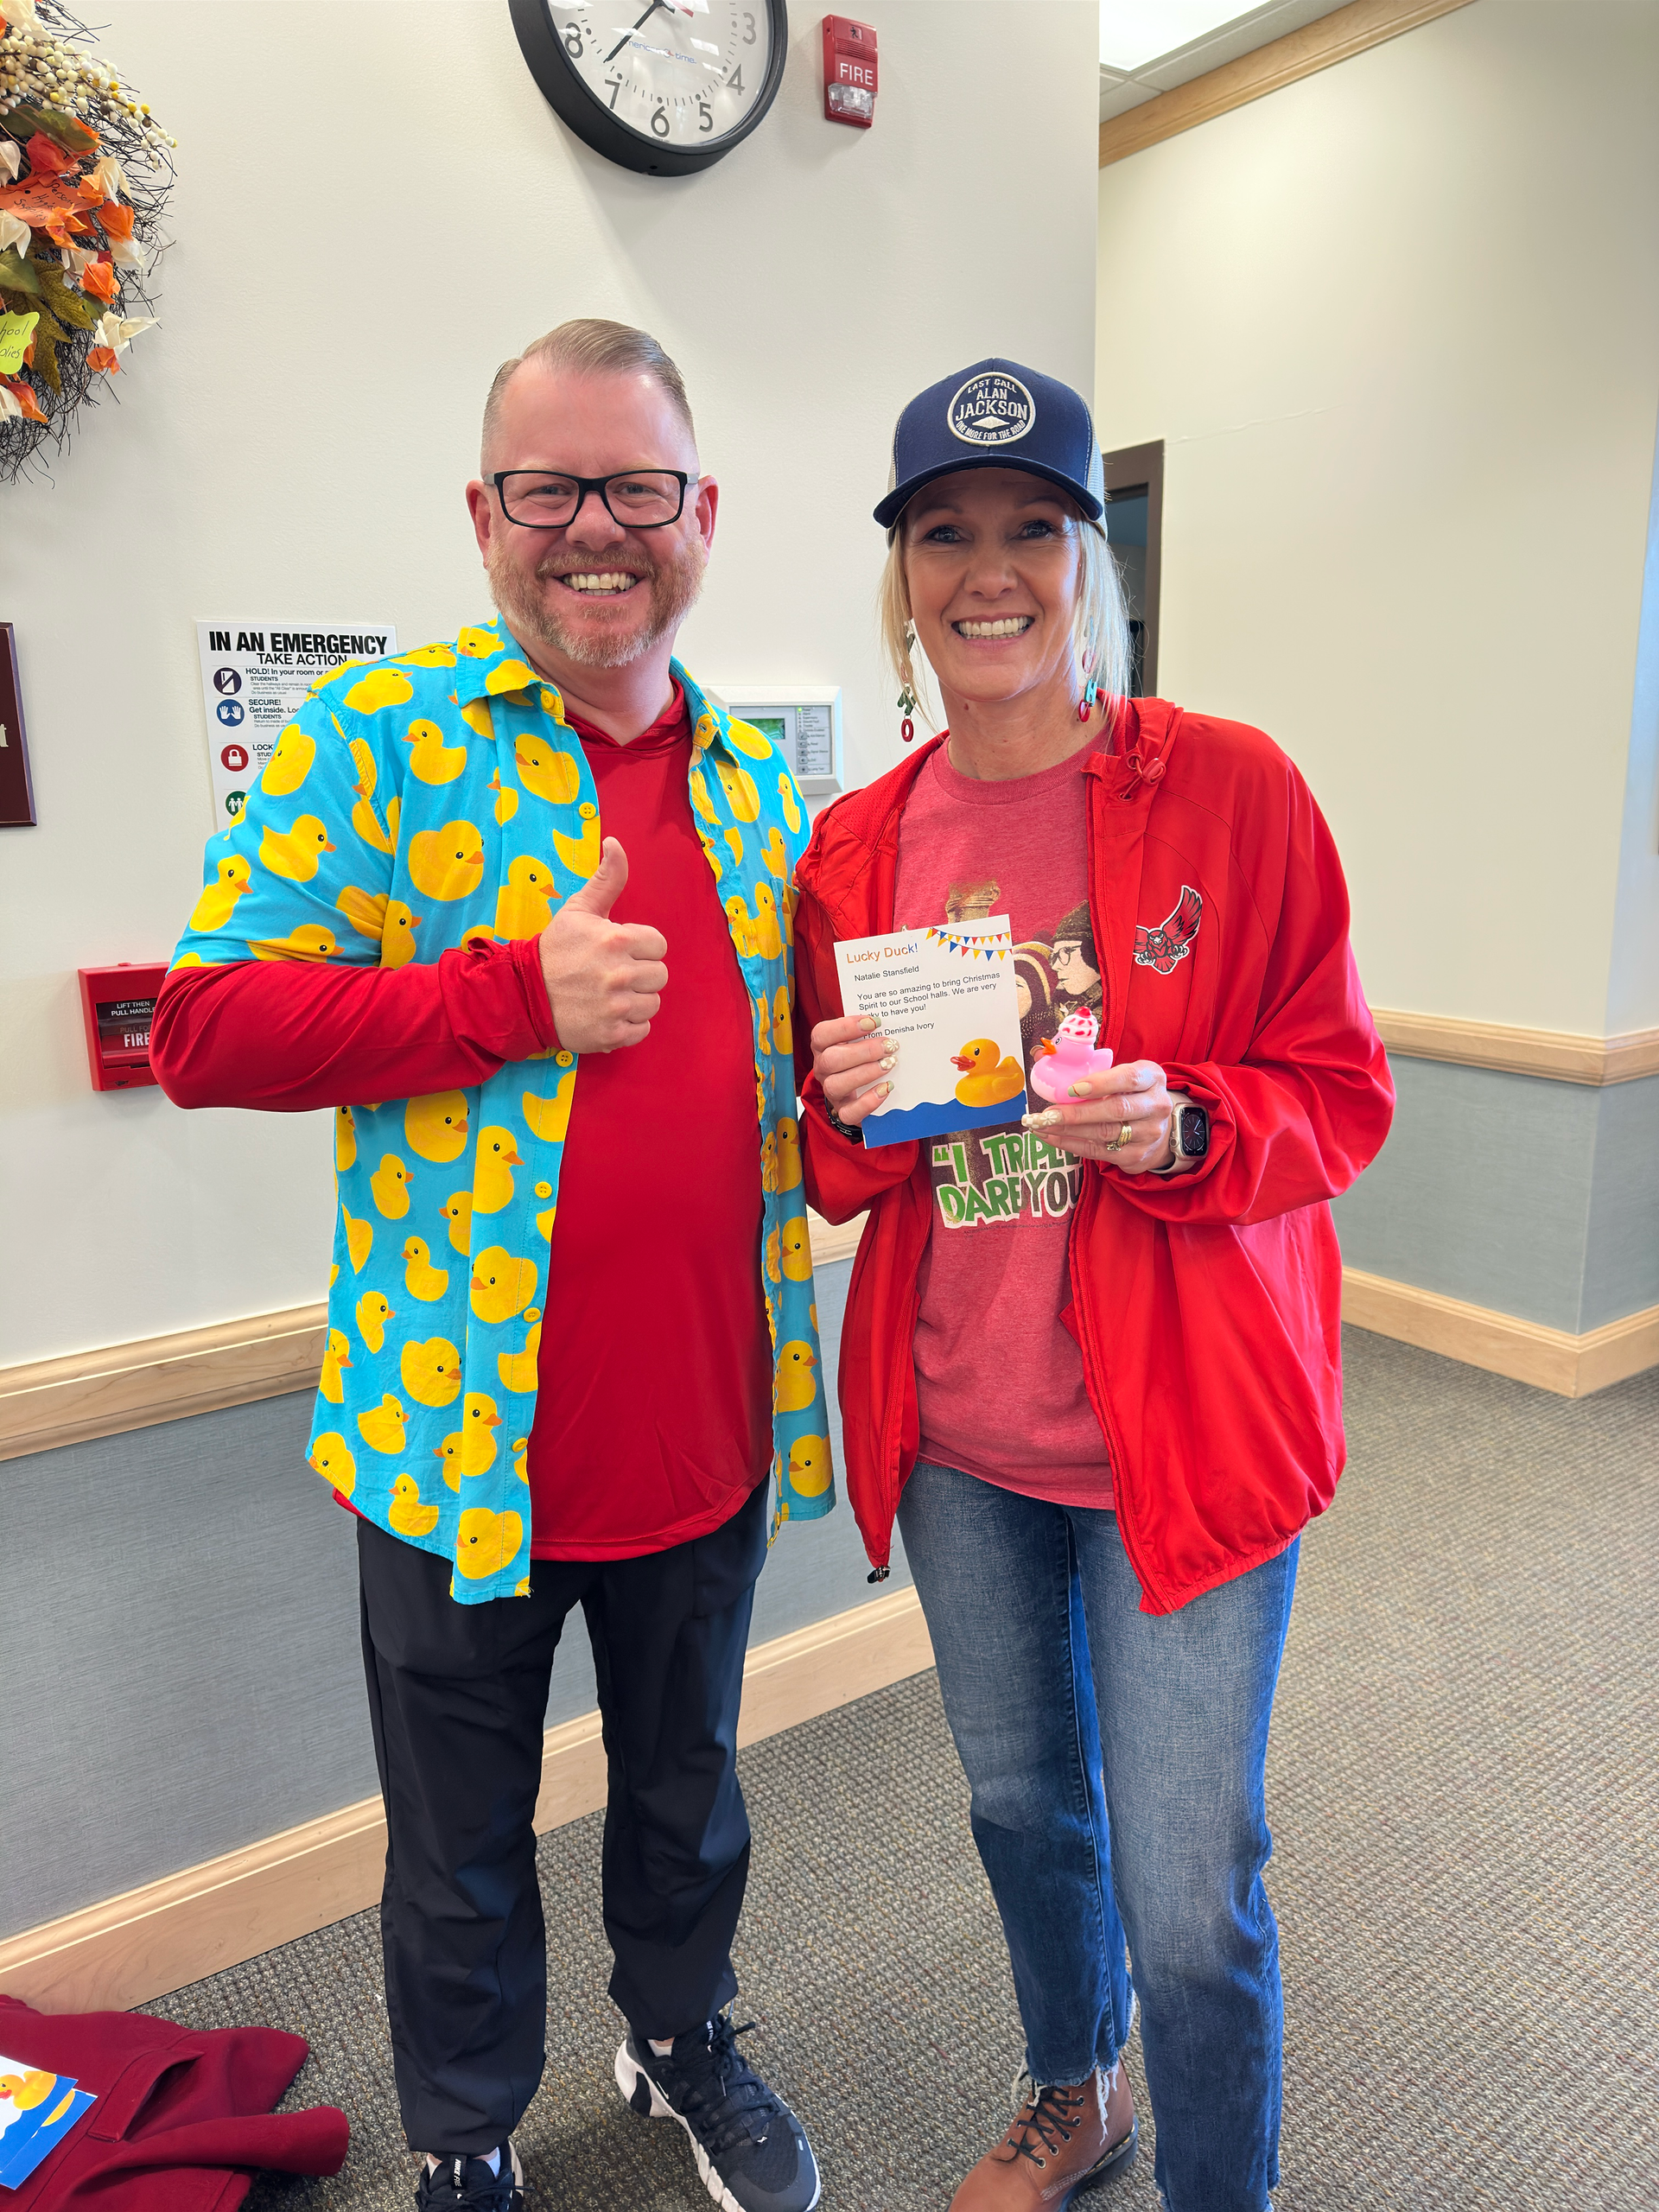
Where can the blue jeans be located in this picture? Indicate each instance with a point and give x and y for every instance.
(1115, 1761)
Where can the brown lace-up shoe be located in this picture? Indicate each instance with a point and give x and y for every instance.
(1063, 2142)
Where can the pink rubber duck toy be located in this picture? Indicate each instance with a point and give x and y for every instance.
(1073, 1056)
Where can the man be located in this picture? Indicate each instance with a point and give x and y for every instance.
(525, 891)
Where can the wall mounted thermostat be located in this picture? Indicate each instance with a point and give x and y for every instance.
(802, 720)
(117, 1005)
(850, 84)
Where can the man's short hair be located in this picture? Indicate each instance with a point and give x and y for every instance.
(589, 346)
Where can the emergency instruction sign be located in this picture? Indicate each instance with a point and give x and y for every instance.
(254, 681)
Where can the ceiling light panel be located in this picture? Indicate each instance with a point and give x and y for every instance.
(1135, 32)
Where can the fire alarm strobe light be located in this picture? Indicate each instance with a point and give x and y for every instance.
(848, 70)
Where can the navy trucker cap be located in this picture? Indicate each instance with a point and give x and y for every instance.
(996, 415)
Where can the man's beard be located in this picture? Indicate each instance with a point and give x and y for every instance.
(672, 588)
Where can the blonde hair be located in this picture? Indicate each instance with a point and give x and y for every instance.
(589, 346)
(1100, 622)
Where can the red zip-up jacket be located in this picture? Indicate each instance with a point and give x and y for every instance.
(1207, 1304)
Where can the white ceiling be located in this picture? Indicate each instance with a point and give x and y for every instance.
(1155, 45)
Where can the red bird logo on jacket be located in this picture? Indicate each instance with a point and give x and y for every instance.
(1172, 939)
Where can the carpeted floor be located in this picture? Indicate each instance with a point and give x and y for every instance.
(1464, 1779)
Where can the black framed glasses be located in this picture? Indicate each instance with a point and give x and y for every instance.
(637, 499)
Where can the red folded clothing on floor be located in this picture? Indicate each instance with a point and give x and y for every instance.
(183, 2116)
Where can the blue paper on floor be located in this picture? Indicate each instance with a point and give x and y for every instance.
(37, 2110)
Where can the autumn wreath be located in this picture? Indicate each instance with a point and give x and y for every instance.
(83, 179)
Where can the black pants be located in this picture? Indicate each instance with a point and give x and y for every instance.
(458, 1699)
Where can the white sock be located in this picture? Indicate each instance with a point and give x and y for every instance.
(662, 2049)
(491, 2159)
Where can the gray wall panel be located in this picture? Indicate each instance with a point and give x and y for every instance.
(180, 1650)
(1482, 1191)
(1621, 1273)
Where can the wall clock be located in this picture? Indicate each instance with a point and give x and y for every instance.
(665, 91)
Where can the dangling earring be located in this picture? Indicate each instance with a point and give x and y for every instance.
(906, 700)
(1086, 704)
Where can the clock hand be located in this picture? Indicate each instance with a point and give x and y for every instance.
(627, 34)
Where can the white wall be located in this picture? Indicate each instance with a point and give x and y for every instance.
(375, 206)
(1398, 325)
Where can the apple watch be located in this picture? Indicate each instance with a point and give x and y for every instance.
(1189, 1133)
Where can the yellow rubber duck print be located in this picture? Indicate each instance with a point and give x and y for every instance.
(373, 1314)
(798, 1250)
(711, 854)
(310, 942)
(406, 1513)
(744, 738)
(763, 1024)
(783, 1029)
(420, 1279)
(345, 1139)
(365, 821)
(523, 905)
(734, 839)
(549, 1118)
(808, 1466)
(449, 1453)
(772, 1251)
(502, 1287)
(486, 1541)
(545, 770)
(359, 1239)
(383, 1429)
(448, 863)
(990, 1074)
(213, 909)
(381, 687)
(511, 676)
(289, 764)
(366, 911)
(478, 644)
(786, 793)
(430, 758)
(428, 657)
(397, 944)
(506, 799)
(775, 854)
(700, 798)
(768, 1158)
(336, 1354)
(739, 786)
(498, 1156)
(517, 1368)
(479, 1422)
(431, 1371)
(741, 923)
(334, 1462)
(436, 1128)
(521, 1457)
(581, 855)
(457, 1211)
(797, 1384)
(390, 1184)
(477, 716)
(768, 937)
(789, 1153)
(297, 853)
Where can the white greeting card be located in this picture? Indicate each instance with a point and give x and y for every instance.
(946, 998)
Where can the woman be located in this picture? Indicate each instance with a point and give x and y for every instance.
(1103, 1527)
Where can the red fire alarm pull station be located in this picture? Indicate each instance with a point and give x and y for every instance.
(116, 1004)
(848, 70)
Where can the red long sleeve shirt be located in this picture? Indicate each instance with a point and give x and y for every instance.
(653, 1418)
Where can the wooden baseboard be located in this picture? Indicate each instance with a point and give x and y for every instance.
(1557, 1054)
(1550, 1359)
(1318, 45)
(139, 1946)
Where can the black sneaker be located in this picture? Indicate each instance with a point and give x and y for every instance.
(467, 2185)
(751, 2151)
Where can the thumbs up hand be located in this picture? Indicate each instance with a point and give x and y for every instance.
(604, 979)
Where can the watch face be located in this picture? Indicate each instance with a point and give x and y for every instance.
(1194, 1132)
(668, 86)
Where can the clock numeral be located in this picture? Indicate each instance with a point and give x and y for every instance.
(614, 84)
(734, 82)
(572, 41)
(748, 36)
(659, 122)
(706, 117)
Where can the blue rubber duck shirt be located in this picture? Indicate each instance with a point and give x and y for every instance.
(414, 805)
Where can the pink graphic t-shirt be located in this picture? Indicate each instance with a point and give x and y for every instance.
(999, 1378)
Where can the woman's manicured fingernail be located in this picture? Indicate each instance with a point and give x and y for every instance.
(867, 1021)
(1051, 1118)
(882, 1089)
(892, 1060)
(1081, 1090)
